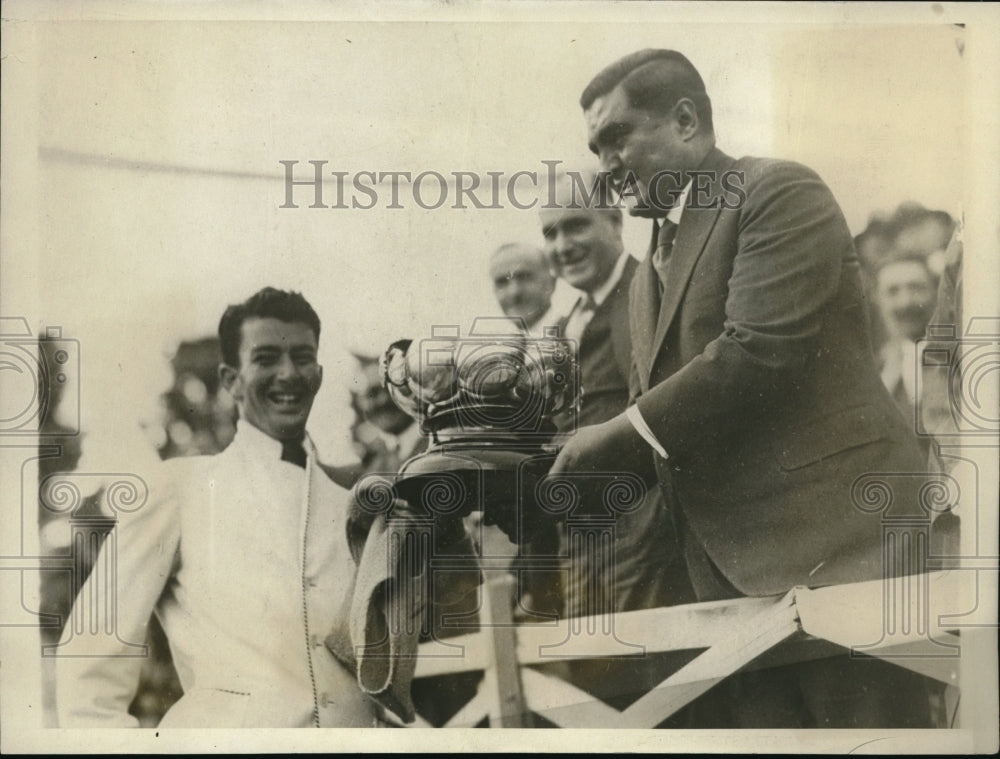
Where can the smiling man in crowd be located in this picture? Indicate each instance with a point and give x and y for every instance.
(758, 402)
(248, 558)
(523, 285)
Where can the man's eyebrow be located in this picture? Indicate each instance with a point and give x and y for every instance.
(609, 133)
(612, 131)
(272, 348)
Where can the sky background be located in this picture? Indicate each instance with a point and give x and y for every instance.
(159, 184)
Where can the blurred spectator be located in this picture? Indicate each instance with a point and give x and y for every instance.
(910, 230)
(198, 419)
(874, 243)
(523, 285)
(387, 435)
(904, 290)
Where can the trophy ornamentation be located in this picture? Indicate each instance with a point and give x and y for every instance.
(488, 401)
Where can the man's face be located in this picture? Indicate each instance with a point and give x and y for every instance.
(522, 283)
(905, 298)
(278, 376)
(582, 245)
(639, 144)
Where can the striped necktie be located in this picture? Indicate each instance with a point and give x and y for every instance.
(664, 247)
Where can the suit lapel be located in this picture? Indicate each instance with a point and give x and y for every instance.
(692, 234)
(618, 316)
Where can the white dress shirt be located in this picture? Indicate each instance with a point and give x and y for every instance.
(901, 361)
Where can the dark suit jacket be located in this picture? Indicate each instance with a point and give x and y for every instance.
(605, 355)
(756, 374)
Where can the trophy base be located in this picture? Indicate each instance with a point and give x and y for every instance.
(461, 476)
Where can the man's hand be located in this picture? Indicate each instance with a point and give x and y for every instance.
(611, 446)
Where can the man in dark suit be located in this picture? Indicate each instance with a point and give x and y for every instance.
(755, 385)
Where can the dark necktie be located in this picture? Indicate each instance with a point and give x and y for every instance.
(664, 247)
(293, 452)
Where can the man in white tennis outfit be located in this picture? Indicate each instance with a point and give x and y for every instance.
(245, 557)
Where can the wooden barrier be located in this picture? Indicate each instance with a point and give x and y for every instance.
(909, 621)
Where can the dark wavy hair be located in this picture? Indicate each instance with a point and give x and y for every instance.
(654, 80)
(266, 303)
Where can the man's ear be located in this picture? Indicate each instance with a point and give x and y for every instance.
(319, 379)
(685, 113)
(227, 376)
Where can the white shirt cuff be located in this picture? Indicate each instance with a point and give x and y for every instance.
(632, 412)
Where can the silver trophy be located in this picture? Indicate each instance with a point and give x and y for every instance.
(490, 402)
